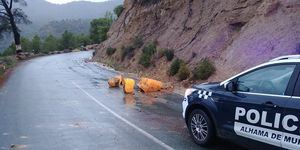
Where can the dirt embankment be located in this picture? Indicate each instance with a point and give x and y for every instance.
(234, 34)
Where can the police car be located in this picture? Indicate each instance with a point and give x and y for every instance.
(260, 105)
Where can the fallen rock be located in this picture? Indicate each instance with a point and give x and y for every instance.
(128, 85)
(149, 85)
(115, 81)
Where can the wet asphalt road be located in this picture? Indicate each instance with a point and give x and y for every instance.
(60, 102)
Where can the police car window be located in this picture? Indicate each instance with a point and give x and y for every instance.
(269, 80)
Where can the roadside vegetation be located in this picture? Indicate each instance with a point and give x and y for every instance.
(204, 70)
(179, 67)
(183, 72)
(2, 70)
(127, 52)
(110, 51)
(150, 54)
(118, 10)
(6, 63)
(36, 45)
(175, 66)
(169, 54)
(147, 54)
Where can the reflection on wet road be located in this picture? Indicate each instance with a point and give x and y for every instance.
(62, 102)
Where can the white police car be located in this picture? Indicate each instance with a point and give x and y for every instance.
(260, 105)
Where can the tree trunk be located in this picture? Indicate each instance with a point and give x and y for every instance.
(17, 36)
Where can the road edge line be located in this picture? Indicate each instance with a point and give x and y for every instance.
(154, 139)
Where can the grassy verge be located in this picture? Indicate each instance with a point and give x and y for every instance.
(6, 63)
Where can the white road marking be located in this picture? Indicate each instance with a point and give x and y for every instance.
(154, 139)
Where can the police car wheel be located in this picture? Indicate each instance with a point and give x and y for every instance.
(201, 128)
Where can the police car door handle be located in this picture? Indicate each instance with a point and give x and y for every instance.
(270, 104)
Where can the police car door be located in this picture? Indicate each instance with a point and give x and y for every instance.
(262, 98)
(291, 119)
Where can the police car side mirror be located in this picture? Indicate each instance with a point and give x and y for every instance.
(230, 86)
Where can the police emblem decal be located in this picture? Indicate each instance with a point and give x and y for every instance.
(204, 94)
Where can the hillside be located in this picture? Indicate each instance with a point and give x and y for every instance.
(41, 12)
(234, 34)
(57, 28)
(45, 15)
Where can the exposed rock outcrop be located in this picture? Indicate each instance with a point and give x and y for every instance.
(234, 34)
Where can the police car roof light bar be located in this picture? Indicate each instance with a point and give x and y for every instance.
(286, 57)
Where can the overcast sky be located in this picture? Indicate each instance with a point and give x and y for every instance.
(67, 1)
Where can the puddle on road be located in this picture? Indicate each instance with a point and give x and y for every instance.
(138, 100)
(129, 100)
(23, 137)
(146, 101)
(158, 103)
(157, 111)
(95, 83)
(5, 134)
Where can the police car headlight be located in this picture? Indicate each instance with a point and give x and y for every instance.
(189, 92)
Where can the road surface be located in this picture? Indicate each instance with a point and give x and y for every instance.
(60, 102)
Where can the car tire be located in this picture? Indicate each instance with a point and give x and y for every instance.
(201, 128)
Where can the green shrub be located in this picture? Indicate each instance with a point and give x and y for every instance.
(175, 66)
(110, 51)
(118, 10)
(204, 70)
(127, 52)
(150, 49)
(145, 60)
(8, 61)
(137, 42)
(146, 57)
(99, 28)
(169, 54)
(183, 72)
(103, 33)
(9, 51)
(2, 71)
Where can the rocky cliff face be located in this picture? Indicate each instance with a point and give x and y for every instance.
(234, 34)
